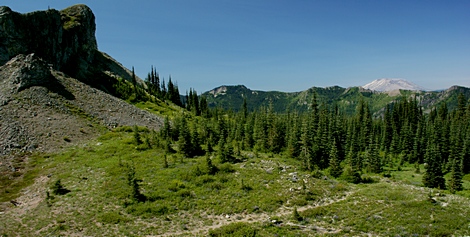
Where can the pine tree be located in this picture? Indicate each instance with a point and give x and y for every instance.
(305, 148)
(335, 167)
(136, 134)
(211, 168)
(133, 182)
(184, 139)
(165, 161)
(225, 152)
(374, 161)
(455, 182)
(245, 108)
(134, 80)
(296, 216)
(433, 177)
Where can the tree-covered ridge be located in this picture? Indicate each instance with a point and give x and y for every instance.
(327, 138)
(347, 99)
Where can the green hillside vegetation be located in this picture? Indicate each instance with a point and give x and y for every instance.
(232, 97)
(256, 173)
(126, 188)
(230, 162)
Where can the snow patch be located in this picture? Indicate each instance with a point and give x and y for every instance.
(387, 84)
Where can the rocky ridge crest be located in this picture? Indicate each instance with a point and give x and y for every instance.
(54, 81)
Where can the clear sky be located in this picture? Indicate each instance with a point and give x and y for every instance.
(288, 45)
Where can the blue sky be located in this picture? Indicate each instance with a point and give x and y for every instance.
(284, 45)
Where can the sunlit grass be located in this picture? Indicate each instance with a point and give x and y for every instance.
(183, 196)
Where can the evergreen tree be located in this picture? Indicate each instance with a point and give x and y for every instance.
(296, 216)
(184, 139)
(245, 108)
(433, 177)
(293, 145)
(455, 182)
(134, 80)
(133, 182)
(374, 161)
(305, 148)
(211, 168)
(196, 148)
(335, 167)
(225, 152)
(136, 134)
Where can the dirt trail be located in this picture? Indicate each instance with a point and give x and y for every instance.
(221, 220)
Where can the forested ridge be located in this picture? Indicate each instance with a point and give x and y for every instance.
(326, 138)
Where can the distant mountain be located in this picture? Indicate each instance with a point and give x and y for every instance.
(387, 84)
(347, 99)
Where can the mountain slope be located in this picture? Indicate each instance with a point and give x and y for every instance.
(231, 98)
(40, 55)
(43, 109)
(386, 84)
(56, 88)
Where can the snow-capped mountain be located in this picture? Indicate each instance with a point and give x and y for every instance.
(387, 84)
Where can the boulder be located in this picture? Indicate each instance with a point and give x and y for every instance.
(24, 71)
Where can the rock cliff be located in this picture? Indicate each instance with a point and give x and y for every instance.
(64, 39)
(55, 84)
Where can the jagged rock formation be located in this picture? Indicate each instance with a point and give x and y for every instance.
(42, 108)
(21, 72)
(64, 39)
(54, 82)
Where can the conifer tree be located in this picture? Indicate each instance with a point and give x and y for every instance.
(455, 182)
(374, 161)
(335, 167)
(293, 147)
(184, 139)
(433, 177)
(245, 108)
(134, 80)
(305, 148)
(136, 134)
(211, 168)
(133, 182)
(225, 152)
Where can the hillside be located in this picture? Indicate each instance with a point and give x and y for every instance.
(256, 197)
(88, 149)
(56, 87)
(43, 106)
(231, 98)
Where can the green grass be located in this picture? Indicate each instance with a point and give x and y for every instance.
(10, 187)
(96, 176)
(159, 107)
(184, 197)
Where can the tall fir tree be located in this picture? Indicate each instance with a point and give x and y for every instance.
(335, 166)
(433, 177)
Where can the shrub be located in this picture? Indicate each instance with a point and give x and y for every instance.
(112, 218)
(234, 229)
(59, 189)
(226, 168)
(148, 209)
(296, 216)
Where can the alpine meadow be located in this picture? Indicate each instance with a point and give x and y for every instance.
(87, 148)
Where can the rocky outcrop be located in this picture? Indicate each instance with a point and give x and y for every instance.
(24, 71)
(65, 39)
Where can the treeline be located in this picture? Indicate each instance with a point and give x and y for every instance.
(323, 138)
(326, 139)
(152, 89)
